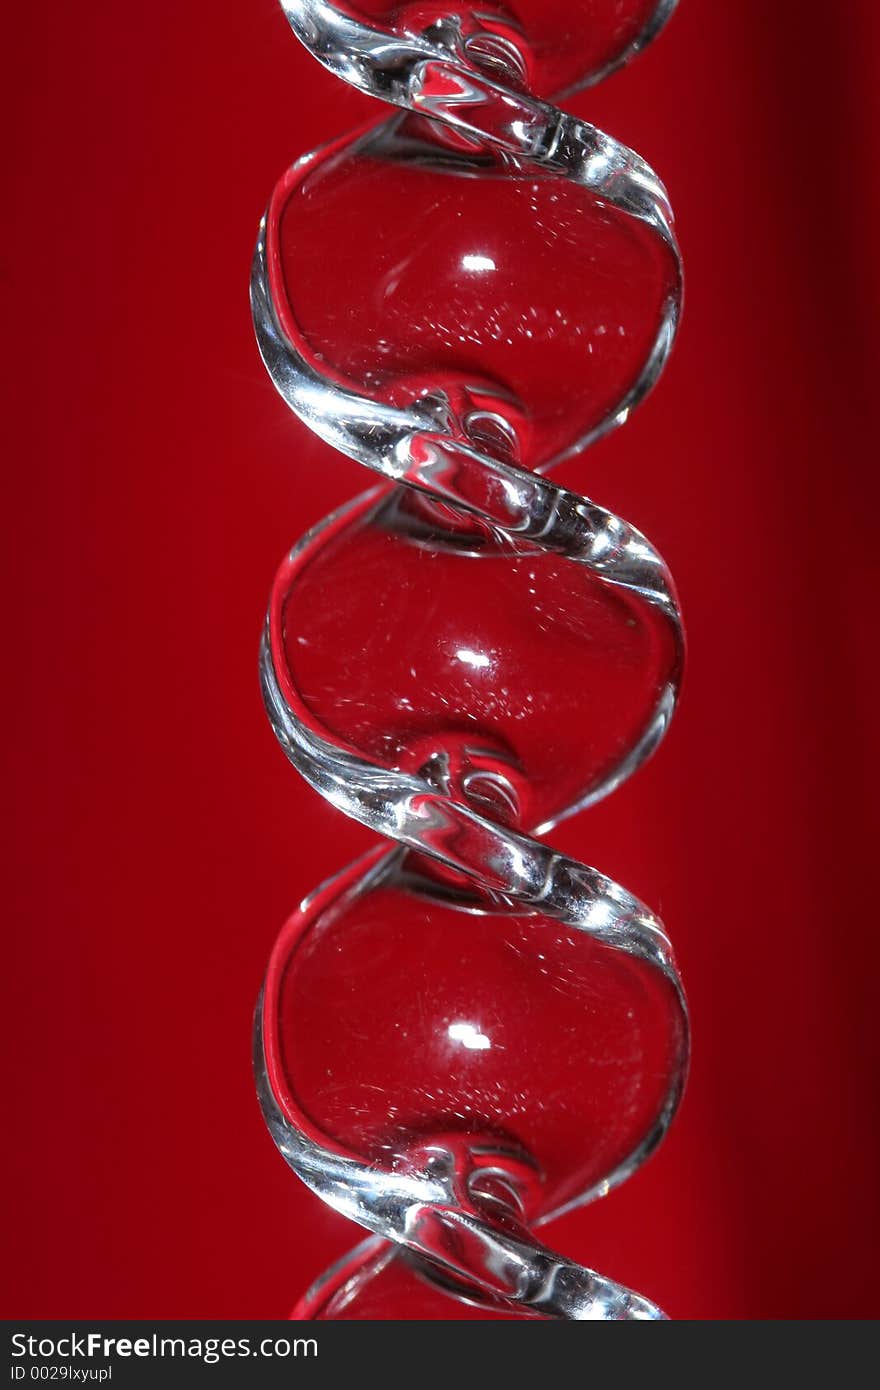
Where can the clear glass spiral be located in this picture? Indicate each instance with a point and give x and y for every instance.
(467, 1032)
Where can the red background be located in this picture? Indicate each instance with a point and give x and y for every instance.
(156, 836)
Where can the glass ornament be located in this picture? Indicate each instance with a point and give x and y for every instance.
(466, 1034)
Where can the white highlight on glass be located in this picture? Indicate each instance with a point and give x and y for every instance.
(469, 1036)
(477, 263)
(476, 659)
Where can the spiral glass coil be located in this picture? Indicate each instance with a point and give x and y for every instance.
(463, 1035)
